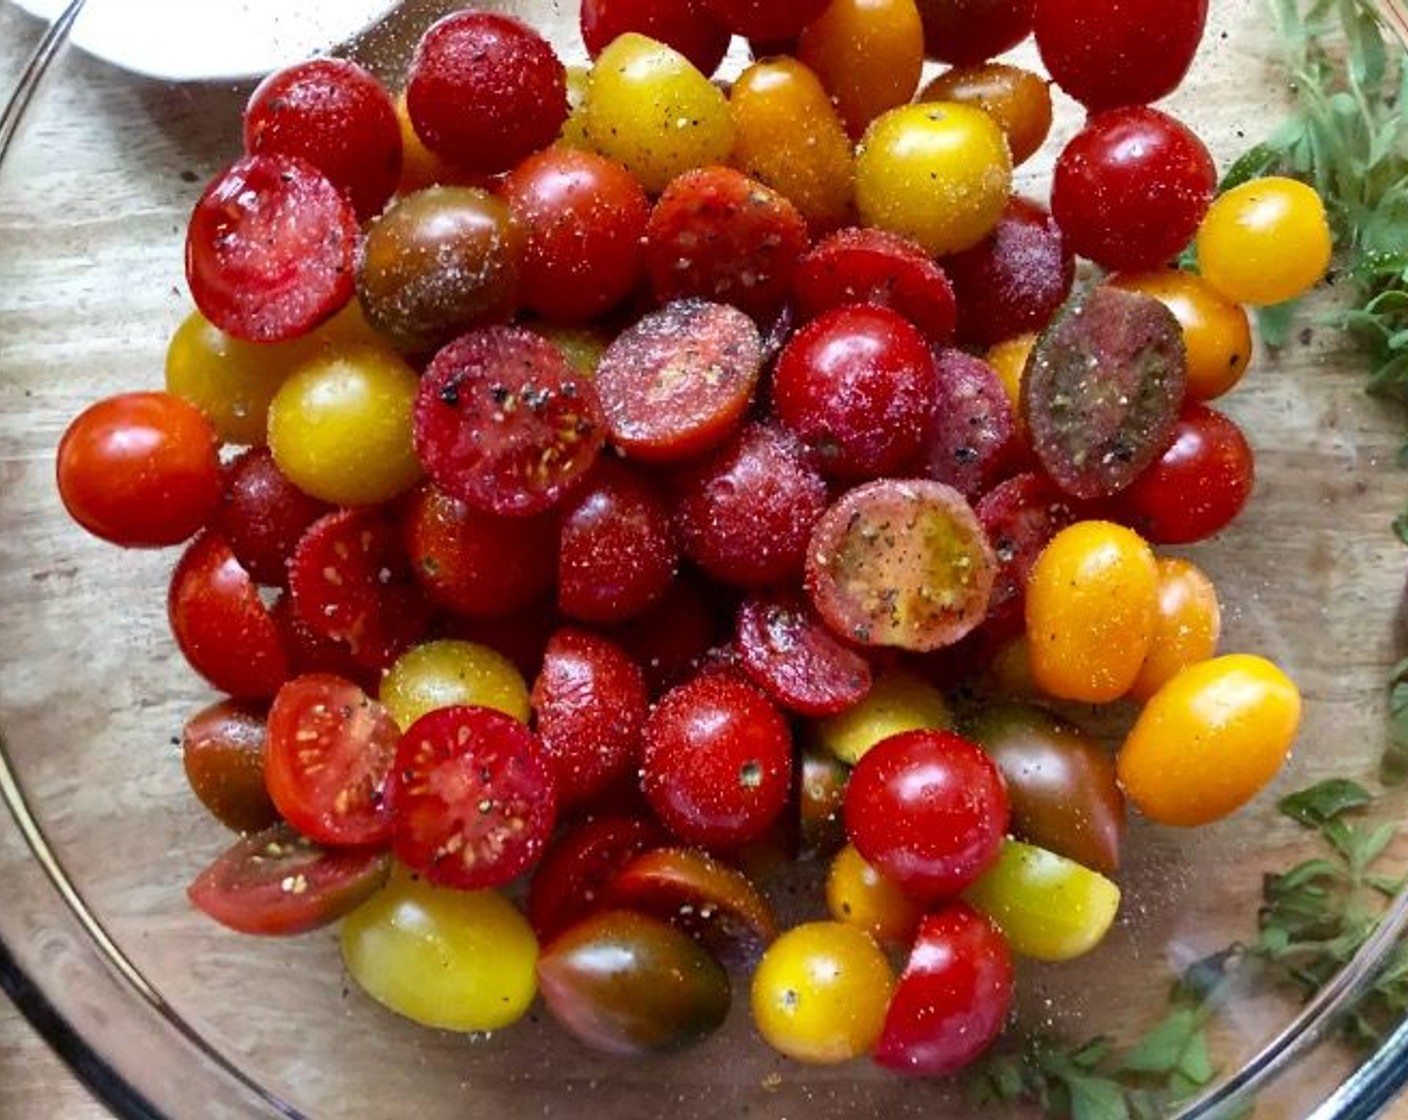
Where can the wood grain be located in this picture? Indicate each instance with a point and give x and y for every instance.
(92, 206)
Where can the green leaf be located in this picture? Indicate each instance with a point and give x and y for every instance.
(1263, 159)
(1324, 801)
(1275, 323)
(1162, 1049)
(1095, 1098)
(1196, 1064)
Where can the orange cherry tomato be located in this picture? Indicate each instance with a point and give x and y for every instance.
(1186, 630)
(1018, 100)
(1209, 740)
(787, 135)
(1216, 331)
(1092, 604)
(868, 53)
(1265, 242)
(857, 894)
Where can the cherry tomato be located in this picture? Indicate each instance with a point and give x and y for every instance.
(685, 25)
(337, 116)
(765, 19)
(1048, 907)
(1209, 740)
(671, 638)
(571, 881)
(1216, 332)
(420, 167)
(788, 136)
(589, 702)
(452, 960)
(330, 749)
(1265, 242)
(821, 794)
(139, 470)
(821, 992)
(504, 424)
(1118, 52)
(1009, 358)
(222, 752)
(485, 90)
(1092, 603)
(939, 173)
(855, 386)
(1131, 188)
(340, 426)
(221, 625)
(1198, 486)
(717, 764)
(271, 248)
(585, 216)
(860, 896)
(901, 563)
(972, 440)
(868, 54)
(1187, 629)
(953, 997)
(899, 700)
(276, 883)
(446, 673)
(787, 651)
(964, 32)
(264, 515)
(1018, 100)
(440, 262)
(648, 108)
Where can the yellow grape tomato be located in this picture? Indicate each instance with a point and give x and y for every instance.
(900, 700)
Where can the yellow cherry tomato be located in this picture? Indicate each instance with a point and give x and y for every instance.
(868, 54)
(1049, 908)
(860, 896)
(821, 992)
(1092, 602)
(1216, 332)
(1209, 740)
(899, 700)
(574, 128)
(1009, 358)
(1264, 242)
(788, 136)
(340, 426)
(647, 107)
(454, 960)
(1019, 101)
(444, 673)
(938, 173)
(420, 167)
(1186, 629)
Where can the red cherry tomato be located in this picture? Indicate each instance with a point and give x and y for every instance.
(276, 883)
(485, 90)
(264, 515)
(311, 652)
(928, 809)
(972, 440)
(717, 765)
(1197, 487)
(685, 25)
(570, 883)
(1131, 188)
(221, 625)
(585, 217)
(472, 798)
(672, 637)
(140, 470)
(965, 32)
(1106, 53)
(953, 998)
(337, 116)
(788, 651)
(330, 748)
(271, 249)
(765, 20)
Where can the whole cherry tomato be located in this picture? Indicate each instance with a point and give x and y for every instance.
(1264, 242)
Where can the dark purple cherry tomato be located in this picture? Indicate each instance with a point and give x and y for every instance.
(264, 515)
(222, 751)
(973, 439)
(570, 883)
(685, 25)
(964, 32)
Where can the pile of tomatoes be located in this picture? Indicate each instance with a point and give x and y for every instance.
(593, 478)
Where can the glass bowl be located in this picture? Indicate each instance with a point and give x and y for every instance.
(166, 1015)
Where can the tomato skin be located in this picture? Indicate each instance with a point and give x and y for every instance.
(1209, 740)
(717, 763)
(446, 672)
(953, 997)
(1188, 627)
(1265, 242)
(788, 652)
(928, 809)
(1018, 100)
(264, 515)
(571, 881)
(585, 216)
(765, 20)
(139, 470)
(1092, 601)
(221, 625)
(899, 700)
(275, 883)
(868, 54)
(1131, 188)
(860, 896)
(1198, 486)
(222, 752)
(685, 25)
(964, 32)
(330, 749)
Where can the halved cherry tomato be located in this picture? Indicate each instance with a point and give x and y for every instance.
(222, 751)
(571, 881)
(787, 651)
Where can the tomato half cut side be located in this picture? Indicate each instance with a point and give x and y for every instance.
(472, 797)
(678, 382)
(271, 249)
(277, 883)
(329, 752)
(901, 563)
(787, 651)
(504, 424)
